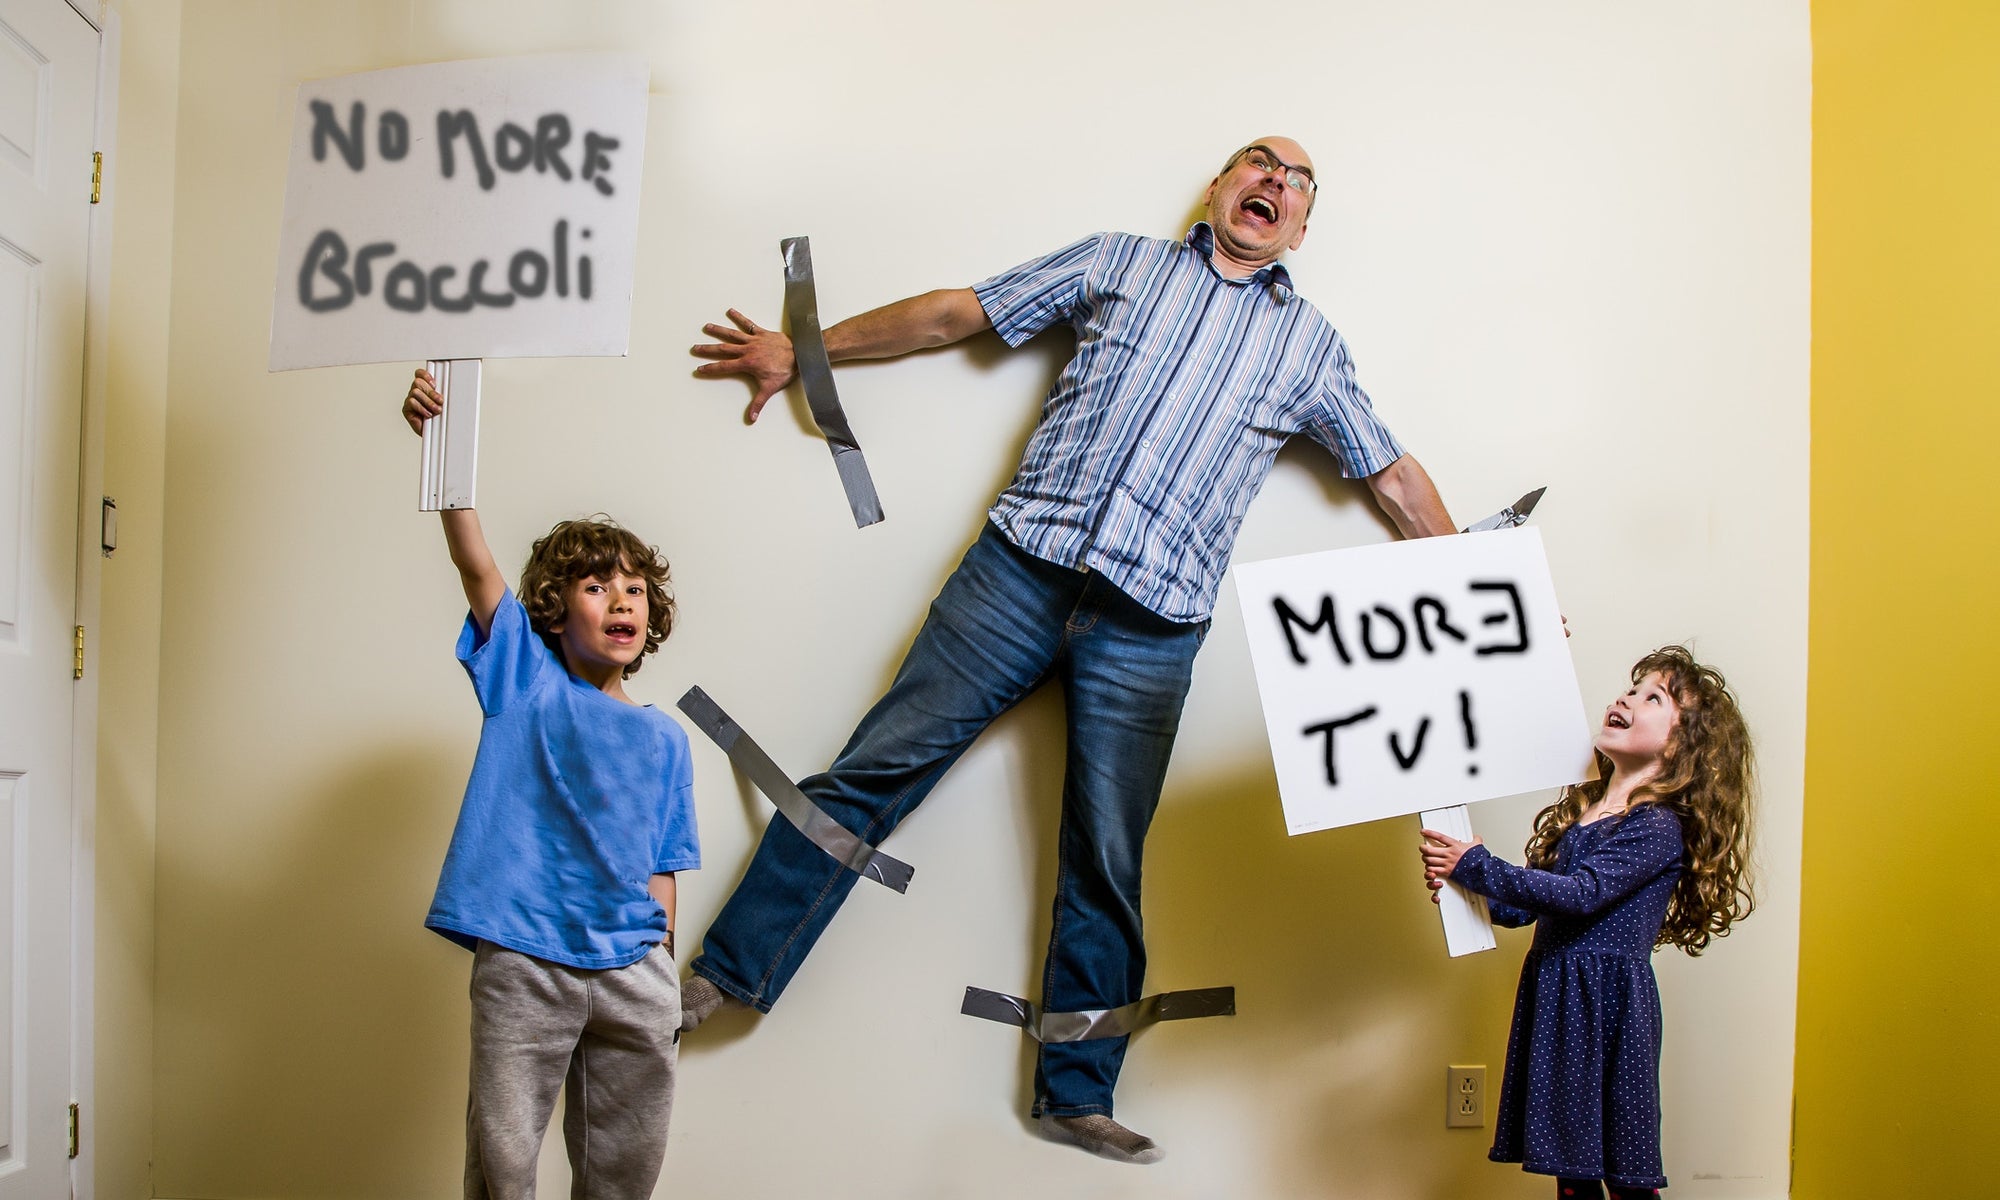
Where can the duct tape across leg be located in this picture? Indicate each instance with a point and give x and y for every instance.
(820, 829)
(1098, 1022)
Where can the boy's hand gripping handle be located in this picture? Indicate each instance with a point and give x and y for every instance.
(450, 472)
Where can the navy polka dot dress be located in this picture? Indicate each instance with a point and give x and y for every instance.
(1581, 1093)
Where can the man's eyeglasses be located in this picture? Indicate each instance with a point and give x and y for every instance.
(1299, 179)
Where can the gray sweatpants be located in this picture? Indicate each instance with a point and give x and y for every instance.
(610, 1034)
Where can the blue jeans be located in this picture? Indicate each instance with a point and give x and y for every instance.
(1004, 622)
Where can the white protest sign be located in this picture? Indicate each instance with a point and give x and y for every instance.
(1413, 675)
(478, 209)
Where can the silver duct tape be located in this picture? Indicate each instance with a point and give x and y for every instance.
(1098, 1022)
(821, 830)
(816, 375)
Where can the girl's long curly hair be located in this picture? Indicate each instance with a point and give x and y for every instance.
(598, 547)
(1705, 778)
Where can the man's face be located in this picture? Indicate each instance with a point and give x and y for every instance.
(1256, 213)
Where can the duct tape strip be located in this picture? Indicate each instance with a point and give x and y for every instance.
(823, 831)
(1100, 1022)
(816, 374)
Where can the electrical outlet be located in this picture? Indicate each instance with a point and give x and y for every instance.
(1465, 1097)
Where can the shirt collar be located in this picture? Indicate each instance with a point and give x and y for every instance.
(1201, 239)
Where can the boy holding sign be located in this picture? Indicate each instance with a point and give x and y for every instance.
(560, 875)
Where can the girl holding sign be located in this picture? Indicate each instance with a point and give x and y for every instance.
(1652, 853)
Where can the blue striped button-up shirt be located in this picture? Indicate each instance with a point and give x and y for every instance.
(1165, 423)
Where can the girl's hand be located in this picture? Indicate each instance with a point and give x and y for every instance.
(423, 401)
(1441, 854)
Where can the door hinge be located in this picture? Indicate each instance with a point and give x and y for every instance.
(79, 653)
(75, 1127)
(96, 176)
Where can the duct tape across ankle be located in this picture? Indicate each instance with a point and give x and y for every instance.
(816, 376)
(821, 830)
(1098, 1022)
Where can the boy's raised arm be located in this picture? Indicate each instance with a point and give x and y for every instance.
(477, 572)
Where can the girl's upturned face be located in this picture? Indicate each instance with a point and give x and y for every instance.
(1637, 724)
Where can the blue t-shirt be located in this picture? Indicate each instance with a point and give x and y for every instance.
(576, 800)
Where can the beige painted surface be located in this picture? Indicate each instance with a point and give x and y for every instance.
(127, 646)
(1568, 243)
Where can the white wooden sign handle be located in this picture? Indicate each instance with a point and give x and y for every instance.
(1468, 926)
(450, 472)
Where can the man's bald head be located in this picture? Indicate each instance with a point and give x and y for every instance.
(1258, 204)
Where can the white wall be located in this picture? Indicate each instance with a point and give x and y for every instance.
(1568, 243)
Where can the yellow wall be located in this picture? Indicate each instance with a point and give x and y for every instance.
(1898, 974)
(140, 184)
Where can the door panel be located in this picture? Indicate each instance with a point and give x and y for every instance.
(48, 89)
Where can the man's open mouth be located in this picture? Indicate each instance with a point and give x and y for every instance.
(1262, 209)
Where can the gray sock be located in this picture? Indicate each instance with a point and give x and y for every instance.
(1103, 1137)
(699, 1000)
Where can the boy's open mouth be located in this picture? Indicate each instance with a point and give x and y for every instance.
(621, 631)
(1617, 720)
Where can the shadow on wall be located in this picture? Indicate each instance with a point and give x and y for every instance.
(1341, 976)
(1340, 970)
(984, 352)
(355, 997)
(1330, 941)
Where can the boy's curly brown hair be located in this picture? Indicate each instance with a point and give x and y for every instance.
(595, 546)
(1705, 778)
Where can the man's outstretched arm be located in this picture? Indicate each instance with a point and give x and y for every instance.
(1405, 492)
(936, 318)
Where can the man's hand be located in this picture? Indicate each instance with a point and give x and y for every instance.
(423, 402)
(765, 355)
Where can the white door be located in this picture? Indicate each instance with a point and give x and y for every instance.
(48, 90)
